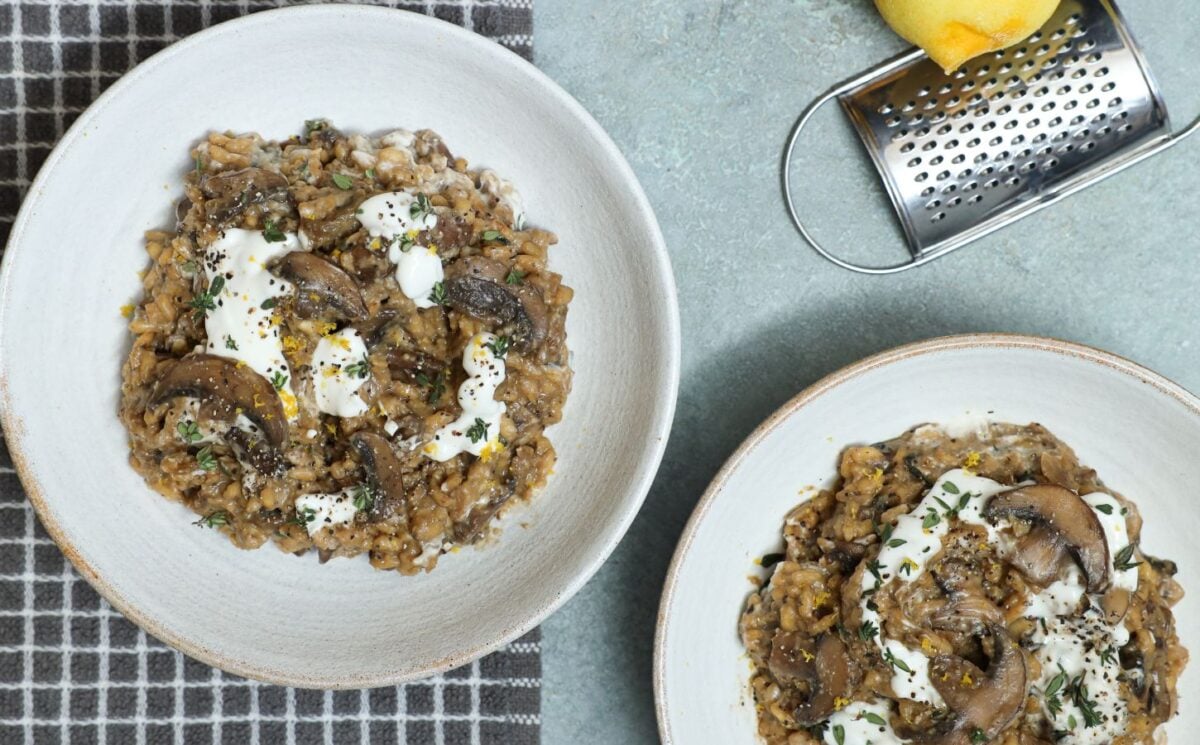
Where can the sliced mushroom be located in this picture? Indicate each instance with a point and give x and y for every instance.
(982, 703)
(450, 235)
(256, 451)
(472, 528)
(384, 476)
(226, 388)
(1062, 512)
(229, 193)
(410, 365)
(820, 663)
(476, 286)
(1039, 555)
(322, 288)
(967, 613)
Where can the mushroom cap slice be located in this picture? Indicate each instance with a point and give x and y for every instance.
(321, 287)
(228, 388)
(384, 475)
(256, 451)
(982, 702)
(229, 193)
(476, 286)
(1064, 513)
(1039, 555)
(821, 662)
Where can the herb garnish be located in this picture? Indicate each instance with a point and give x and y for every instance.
(873, 566)
(271, 232)
(770, 560)
(839, 734)
(207, 300)
(212, 520)
(190, 266)
(279, 380)
(358, 369)
(199, 165)
(364, 498)
(438, 295)
(205, 458)
(896, 542)
(867, 631)
(230, 343)
(1124, 558)
(420, 207)
(931, 519)
(313, 125)
(978, 737)
(1087, 707)
(1053, 704)
(436, 385)
(1105, 508)
(890, 658)
(269, 303)
(370, 173)
(342, 181)
(950, 487)
(1109, 655)
(515, 277)
(189, 431)
(493, 235)
(499, 345)
(874, 718)
(478, 430)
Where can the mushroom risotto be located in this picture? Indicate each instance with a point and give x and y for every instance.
(351, 344)
(961, 586)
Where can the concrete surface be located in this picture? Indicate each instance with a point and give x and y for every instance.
(700, 95)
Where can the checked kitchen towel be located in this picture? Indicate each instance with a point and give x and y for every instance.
(72, 669)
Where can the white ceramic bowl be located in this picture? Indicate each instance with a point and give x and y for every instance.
(1139, 430)
(73, 261)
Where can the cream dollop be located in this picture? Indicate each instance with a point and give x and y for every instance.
(319, 511)
(477, 429)
(238, 326)
(339, 369)
(395, 219)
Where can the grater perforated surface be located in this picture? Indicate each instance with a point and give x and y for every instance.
(959, 151)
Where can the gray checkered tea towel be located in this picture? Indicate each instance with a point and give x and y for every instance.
(72, 669)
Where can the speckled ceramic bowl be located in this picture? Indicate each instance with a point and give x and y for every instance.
(73, 261)
(1140, 431)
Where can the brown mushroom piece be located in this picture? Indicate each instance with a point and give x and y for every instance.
(256, 451)
(229, 193)
(1039, 555)
(1065, 514)
(822, 663)
(476, 286)
(451, 234)
(227, 388)
(473, 527)
(322, 287)
(983, 703)
(384, 476)
(413, 367)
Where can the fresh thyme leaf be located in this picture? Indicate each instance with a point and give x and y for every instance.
(1124, 558)
(867, 631)
(207, 300)
(949, 510)
(269, 303)
(950, 487)
(436, 385)
(359, 369)
(205, 458)
(839, 734)
(1071, 722)
(279, 380)
(978, 737)
(199, 165)
(190, 266)
(271, 232)
(478, 430)
(230, 343)
(313, 125)
(370, 173)
(420, 207)
(896, 542)
(890, 658)
(873, 566)
(364, 498)
(342, 181)
(1056, 683)
(499, 345)
(214, 519)
(770, 560)
(438, 295)
(818, 730)
(874, 718)
(1105, 508)
(931, 519)
(1086, 706)
(493, 235)
(189, 431)
(515, 277)
(1108, 656)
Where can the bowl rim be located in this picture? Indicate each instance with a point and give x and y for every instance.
(994, 340)
(655, 447)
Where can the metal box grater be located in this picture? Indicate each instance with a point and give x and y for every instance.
(1011, 132)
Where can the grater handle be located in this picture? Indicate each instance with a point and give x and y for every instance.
(801, 123)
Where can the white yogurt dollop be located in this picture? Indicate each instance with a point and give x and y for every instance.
(339, 369)
(477, 429)
(1116, 533)
(503, 192)
(326, 510)
(238, 326)
(396, 218)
